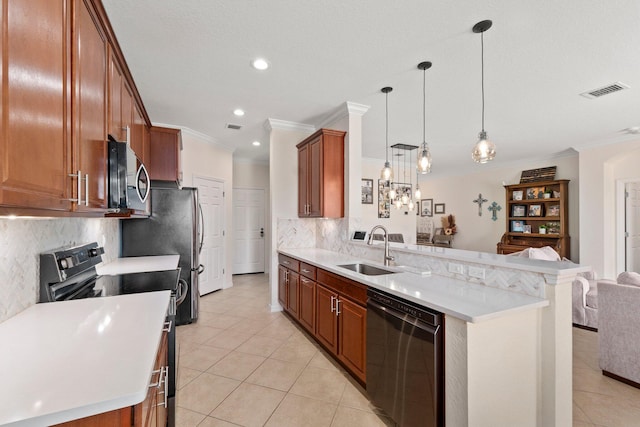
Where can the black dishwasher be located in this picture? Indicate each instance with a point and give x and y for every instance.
(405, 360)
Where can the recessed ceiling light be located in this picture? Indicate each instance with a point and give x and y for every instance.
(256, 143)
(238, 112)
(260, 64)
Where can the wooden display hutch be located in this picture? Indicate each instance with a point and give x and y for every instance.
(536, 219)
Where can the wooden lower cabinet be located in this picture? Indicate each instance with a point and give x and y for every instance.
(307, 312)
(149, 413)
(352, 330)
(331, 308)
(288, 288)
(326, 319)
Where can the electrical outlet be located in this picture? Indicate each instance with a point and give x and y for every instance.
(477, 272)
(456, 268)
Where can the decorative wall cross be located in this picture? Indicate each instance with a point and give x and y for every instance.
(494, 208)
(480, 201)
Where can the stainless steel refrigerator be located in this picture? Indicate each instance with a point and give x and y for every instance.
(175, 227)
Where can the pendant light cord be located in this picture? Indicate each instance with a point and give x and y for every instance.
(424, 108)
(387, 126)
(482, 73)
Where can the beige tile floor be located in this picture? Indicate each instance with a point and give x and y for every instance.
(241, 365)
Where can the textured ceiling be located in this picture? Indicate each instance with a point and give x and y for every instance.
(190, 60)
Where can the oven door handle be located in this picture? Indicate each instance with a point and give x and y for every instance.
(183, 287)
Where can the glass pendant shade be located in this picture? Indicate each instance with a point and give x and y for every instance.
(398, 203)
(484, 149)
(418, 192)
(386, 173)
(404, 199)
(411, 205)
(392, 193)
(424, 159)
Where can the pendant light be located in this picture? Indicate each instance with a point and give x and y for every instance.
(386, 173)
(424, 155)
(484, 149)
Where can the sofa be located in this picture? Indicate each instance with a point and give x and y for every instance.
(619, 328)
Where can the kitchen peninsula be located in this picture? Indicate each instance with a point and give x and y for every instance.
(507, 335)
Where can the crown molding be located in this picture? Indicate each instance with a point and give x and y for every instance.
(198, 135)
(273, 124)
(344, 110)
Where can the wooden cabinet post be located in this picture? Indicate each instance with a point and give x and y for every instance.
(282, 286)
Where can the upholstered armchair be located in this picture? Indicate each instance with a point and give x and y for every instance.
(619, 328)
(585, 299)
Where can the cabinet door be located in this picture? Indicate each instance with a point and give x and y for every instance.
(282, 286)
(115, 99)
(326, 320)
(164, 154)
(303, 180)
(316, 190)
(162, 360)
(352, 321)
(293, 288)
(138, 140)
(35, 127)
(307, 310)
(127, 115)
(90, 107)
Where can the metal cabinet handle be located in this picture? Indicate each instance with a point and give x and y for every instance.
(78, 187)
(337, 307)
(286, 262)
(157, 383)
(167, 326)
(332, 300)
(165, 380)
(86, 190)
(304, 270)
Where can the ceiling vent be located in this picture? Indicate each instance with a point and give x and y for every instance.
(606, 90)
(233, 126)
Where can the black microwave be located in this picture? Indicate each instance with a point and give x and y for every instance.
(129, 184)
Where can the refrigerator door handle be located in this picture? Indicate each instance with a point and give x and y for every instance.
(199, 270)
(201, 228)
(182, 291)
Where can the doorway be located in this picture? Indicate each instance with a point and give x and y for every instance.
(248, 232)
(211, 195)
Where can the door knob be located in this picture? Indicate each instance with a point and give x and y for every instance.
(261, 232)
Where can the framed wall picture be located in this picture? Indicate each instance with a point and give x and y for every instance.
(535, 210)
(517, 226)
(383, 199)
(527, 229)
(426, 207)
(535, 193)
(518, 210)
(518, 194)
(438, 208)
(553, 210)
(367, 191)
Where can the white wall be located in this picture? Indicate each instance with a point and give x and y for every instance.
(600, 168)
(202, 157)
(254, 175)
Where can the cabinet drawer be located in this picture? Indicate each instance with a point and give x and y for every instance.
(290, 263)
(308, 270)
(354, 290)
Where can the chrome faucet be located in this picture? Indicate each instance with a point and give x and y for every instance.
(387, 257)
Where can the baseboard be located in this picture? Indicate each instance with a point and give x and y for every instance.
(588, 328)
(621, 379)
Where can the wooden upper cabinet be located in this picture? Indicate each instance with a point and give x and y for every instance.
(164, 154)
(89, 108)
(116, 128)
(138, 135)
(35, 111)
(321, 175)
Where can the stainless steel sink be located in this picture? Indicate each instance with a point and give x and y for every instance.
(366, 269)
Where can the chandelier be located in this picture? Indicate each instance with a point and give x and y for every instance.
(400, 192)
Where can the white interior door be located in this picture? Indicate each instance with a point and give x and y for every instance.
(248, 231)
(632, 226)
(211, 197)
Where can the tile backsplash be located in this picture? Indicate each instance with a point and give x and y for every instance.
(21, 242)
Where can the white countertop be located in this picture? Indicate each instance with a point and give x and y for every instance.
(138, 264)
(467, 301)
(62, 361)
